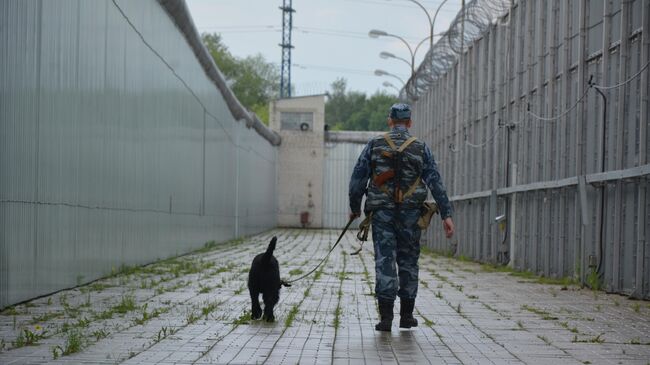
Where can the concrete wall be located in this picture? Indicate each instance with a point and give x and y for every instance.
(300, 162)
(116, 148)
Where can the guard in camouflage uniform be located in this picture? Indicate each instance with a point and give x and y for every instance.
(392, 171)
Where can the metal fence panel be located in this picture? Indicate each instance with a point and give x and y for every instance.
(528, 76)
(116, 148)
(340, 159)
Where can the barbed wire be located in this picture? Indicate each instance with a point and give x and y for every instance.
(469, 24)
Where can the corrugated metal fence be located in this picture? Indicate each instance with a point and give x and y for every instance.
(340, 158)
(116, 148)
(524, 125)
(342, 149)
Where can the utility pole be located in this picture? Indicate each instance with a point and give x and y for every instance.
(285, 72)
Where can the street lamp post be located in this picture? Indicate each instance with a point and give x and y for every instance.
(388, 84)
(386, 55)
(432, 21)
(375, 33)
(385, 73)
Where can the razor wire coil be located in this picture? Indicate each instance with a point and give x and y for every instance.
(468, 25)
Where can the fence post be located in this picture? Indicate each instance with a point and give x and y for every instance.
(580, 169)
(643, 132)
(512, 217)
(618, 152)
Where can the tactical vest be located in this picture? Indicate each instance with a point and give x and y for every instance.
(397, 160)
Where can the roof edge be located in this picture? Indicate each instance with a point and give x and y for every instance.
(180, 14)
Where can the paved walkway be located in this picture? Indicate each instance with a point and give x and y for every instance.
(193, 309)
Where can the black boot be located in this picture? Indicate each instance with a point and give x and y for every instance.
(386, 314)
(406, 319)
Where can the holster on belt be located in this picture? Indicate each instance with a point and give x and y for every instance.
(428, 209)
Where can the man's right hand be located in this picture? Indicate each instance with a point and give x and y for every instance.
(354, 215)
(448, 225)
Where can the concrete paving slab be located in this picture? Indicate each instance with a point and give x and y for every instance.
(194, 309)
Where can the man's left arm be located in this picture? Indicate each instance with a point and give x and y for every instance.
(433, 180)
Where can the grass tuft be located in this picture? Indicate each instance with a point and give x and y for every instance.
(244, 318)
(99, 334)
(73, 344)
(126, 304)
(28, 338)
(545, 315)
(291, 316)
(597, 339)
(191, 317)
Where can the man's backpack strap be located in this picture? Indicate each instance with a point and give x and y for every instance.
(379, 182)
(401, 148)
(412, 189)
(406, 144)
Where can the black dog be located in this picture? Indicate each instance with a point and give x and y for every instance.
(264, 278)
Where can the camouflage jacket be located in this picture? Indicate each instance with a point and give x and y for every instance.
(416, 162)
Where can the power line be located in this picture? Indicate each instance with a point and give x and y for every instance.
(304, 30)
(334, 69)
(331, 34)
(624, 82)
(494, 133)
(401, 5)
(252, 26)
(573, 106)
(343, 32)
(584, 94)
(250, 31)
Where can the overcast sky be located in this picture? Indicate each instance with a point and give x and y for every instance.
(330, 36)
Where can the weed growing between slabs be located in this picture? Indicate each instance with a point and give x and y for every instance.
(28, 338)
(74, 343)
(245, 318)
(78, 315)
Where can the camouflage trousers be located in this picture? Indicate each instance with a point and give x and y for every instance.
(396, 237)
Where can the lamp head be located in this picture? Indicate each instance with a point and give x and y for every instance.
(375, 33)
(386, 55)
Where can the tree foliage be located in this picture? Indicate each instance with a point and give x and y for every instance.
(254, 81)
(354, 111)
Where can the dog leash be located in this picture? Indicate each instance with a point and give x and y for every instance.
(326, 256)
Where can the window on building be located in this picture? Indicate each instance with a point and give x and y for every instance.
(296, 121)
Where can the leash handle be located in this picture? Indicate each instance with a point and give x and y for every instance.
(362, 236)
(326, 256)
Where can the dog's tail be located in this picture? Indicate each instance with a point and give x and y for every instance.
(269, 250)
